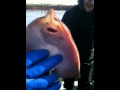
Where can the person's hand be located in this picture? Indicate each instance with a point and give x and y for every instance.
(38, 64)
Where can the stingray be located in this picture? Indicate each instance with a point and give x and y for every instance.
(49, 32)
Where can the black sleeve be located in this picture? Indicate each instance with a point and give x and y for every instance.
(67, 20)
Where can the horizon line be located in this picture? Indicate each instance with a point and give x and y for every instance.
(51, 4)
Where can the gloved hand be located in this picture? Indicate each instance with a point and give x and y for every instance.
(37, 65)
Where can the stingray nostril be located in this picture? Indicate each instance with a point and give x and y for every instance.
(51, 30)
(57, 25)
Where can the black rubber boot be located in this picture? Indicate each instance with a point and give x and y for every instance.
(68, 83)
(84, 87)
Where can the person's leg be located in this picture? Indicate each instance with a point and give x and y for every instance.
(83, 82)
(68, 83)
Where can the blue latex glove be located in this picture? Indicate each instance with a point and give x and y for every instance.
(37, 65)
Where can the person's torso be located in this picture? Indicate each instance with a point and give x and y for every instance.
(83, 32)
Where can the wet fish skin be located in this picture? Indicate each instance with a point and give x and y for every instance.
(48, 32)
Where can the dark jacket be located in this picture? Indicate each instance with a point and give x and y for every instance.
(81, 26)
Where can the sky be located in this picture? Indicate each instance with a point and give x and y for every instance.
(64, 2)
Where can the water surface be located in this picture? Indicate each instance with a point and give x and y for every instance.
(33, 14)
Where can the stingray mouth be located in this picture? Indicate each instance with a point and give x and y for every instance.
(51, 30)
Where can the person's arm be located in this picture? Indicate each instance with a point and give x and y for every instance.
(67, 20)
